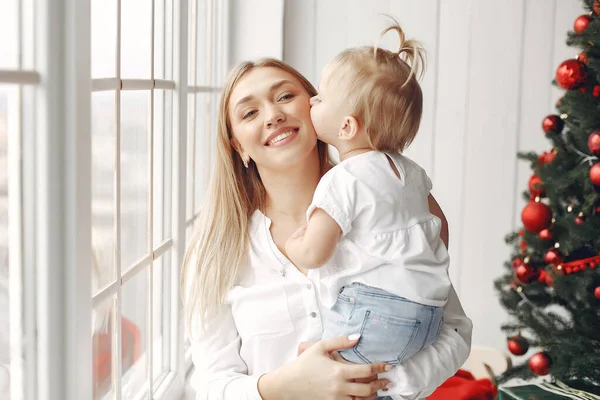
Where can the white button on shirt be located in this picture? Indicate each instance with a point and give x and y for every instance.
(269, 313)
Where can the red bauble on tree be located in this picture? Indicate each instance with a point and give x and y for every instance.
(552, 123)
(597, 292)
(539, 363)
(581, 23)
(536, 216)
(547, 157)
(545, 234)
(518, 345)
(596, 7)
(516, 262)
(596, 91)
(571, 74)
(595, 174)
(536, 186)
(594, 143)
(526, 274)
(552, 257)
(582, 57)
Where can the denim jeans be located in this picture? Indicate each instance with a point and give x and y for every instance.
(392, 328)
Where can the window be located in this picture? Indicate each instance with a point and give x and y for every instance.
(18, 96)
(104, 158)
(135, 161)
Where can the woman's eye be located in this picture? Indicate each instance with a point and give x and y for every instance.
(249, 114)
(286, 97)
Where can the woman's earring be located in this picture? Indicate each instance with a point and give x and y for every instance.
(245, 162)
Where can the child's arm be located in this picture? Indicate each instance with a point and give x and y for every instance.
(313, 247)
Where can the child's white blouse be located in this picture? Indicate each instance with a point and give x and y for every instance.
(274, 307)
(392, 241)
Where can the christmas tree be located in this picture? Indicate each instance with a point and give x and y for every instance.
(551, 288)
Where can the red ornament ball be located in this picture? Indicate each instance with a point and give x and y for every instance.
(552, 257)
(579, 220)
(526, 274)
(516, 262)
(537, 216)
(536, 186)
(518, 345)
(597, 292)
(581, 23)
(552, 123)
(539, 363)
(596, 91)
(547, 157)
(582, 57)
(596, 7)
(594, 143)
(594, 175)
(545, 234)
(571, 74)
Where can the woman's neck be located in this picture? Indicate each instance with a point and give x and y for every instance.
(290, 192)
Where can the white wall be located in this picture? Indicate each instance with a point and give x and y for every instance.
(256, 29)
(487, 89)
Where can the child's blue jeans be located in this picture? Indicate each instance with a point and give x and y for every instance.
(392, 328)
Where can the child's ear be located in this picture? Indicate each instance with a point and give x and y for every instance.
(349, 128)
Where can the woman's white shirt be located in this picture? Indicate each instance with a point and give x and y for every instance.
(274, 307)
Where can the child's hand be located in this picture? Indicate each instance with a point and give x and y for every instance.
(299, 233)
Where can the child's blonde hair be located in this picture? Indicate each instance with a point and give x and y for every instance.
(384, 91)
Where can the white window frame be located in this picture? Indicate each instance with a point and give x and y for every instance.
(54, 210)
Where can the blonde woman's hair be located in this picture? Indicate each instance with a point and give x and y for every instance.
(383, 89)
(219, 244)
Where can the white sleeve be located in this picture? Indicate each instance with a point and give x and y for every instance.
(420, 375)
(220, 373)
(336, 195)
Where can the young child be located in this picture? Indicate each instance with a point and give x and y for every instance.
(391, 281)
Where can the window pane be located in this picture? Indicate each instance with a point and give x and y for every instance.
(162, 166)
(102, 346)
(134, 176)
(9, 34)
(11, 331)
(202, 49)
(159, 38)
(28, 33)
(134, 309)
(136, 38)
(161, 338)
(202, 147)
(169, 43)
(190, 150)
(103, 193)
(104, 38)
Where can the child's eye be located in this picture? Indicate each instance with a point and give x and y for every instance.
(249, 114)
(286, 97)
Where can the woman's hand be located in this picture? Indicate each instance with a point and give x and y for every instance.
(316, 374)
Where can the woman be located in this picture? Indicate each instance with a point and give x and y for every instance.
(248, 308)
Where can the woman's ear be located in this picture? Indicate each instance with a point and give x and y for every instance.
(236, 145)
(349, 128)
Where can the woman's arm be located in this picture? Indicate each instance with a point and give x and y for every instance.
(436, 210)
(421, 374)
(219, 371)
